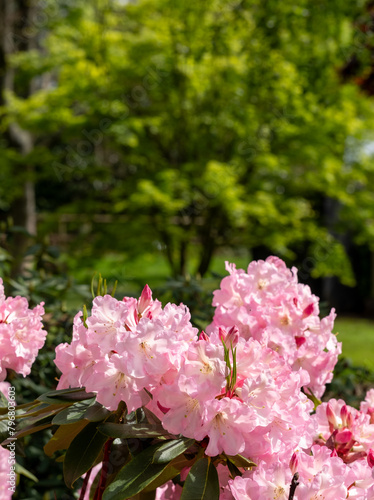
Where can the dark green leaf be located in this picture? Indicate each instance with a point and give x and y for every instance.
(73, 413)
(202, 482)
(3, 401)
(82, 453)
(21, 470)
(66, 396)
(171, 449)
(240, 461)
(96, 412)
(132, 430)
(62, 438)
(135, 476)
(30, 429)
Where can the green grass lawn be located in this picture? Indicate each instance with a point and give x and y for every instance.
(357, 336)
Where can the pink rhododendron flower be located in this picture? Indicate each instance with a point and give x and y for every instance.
(21, 334)
(169, 491)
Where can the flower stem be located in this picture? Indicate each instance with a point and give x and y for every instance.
(85, 483)
(294, 485)
(104, 471)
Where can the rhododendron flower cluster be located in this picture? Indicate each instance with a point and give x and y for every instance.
(268, 304)
(125, 348)
(21, 334)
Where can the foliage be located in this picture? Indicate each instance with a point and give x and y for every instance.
(195, 126)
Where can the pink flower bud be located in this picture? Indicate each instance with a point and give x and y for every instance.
(331, 417)
(334, 453)
(370, 412)
(300, 341)
(162, 408)
(343, 436)
(344, 413)
(204, 336)
(308, 310)
(222, 334)
(145, 299)
(294, 463)
(232, 337)
(370, 457)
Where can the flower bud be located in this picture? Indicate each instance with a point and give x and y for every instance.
(331, 417)
(145, 299)
(232, 337)
(344, 414)
(204, 336)
(308, 310)
(294, 463)
(370, 457)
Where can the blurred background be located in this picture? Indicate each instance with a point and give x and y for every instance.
(151, 141)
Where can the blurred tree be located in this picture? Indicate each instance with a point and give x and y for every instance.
(202, 124)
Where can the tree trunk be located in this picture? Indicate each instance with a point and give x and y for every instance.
(15, 18)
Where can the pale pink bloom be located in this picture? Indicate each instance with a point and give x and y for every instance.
(21, 334)
(204, 370)
(169, 491)
(183, 412)
(265, 483)
(110, 380)
(225, 422)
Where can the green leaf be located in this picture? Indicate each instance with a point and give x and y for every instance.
(202, 482)
(132, 430)
(309, 394)
(3, 401)
(62, 438)
(45, 411)
(240, 461)
(171, 471)
(82, 453)
(21, 470)
(171, 449)
(66, 396)
(73, 413)
(135, 476)
(96, 413)
(30, 429)
(4, 433)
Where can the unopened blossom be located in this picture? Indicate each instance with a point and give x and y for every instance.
(344, 429)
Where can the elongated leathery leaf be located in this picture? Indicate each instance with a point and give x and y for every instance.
(66, 396)
(202, 482)
(132, 430)
(135, 476)
(82, 453)
(73, 413)
(240, 461)
(172, 449)
(62, 438)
